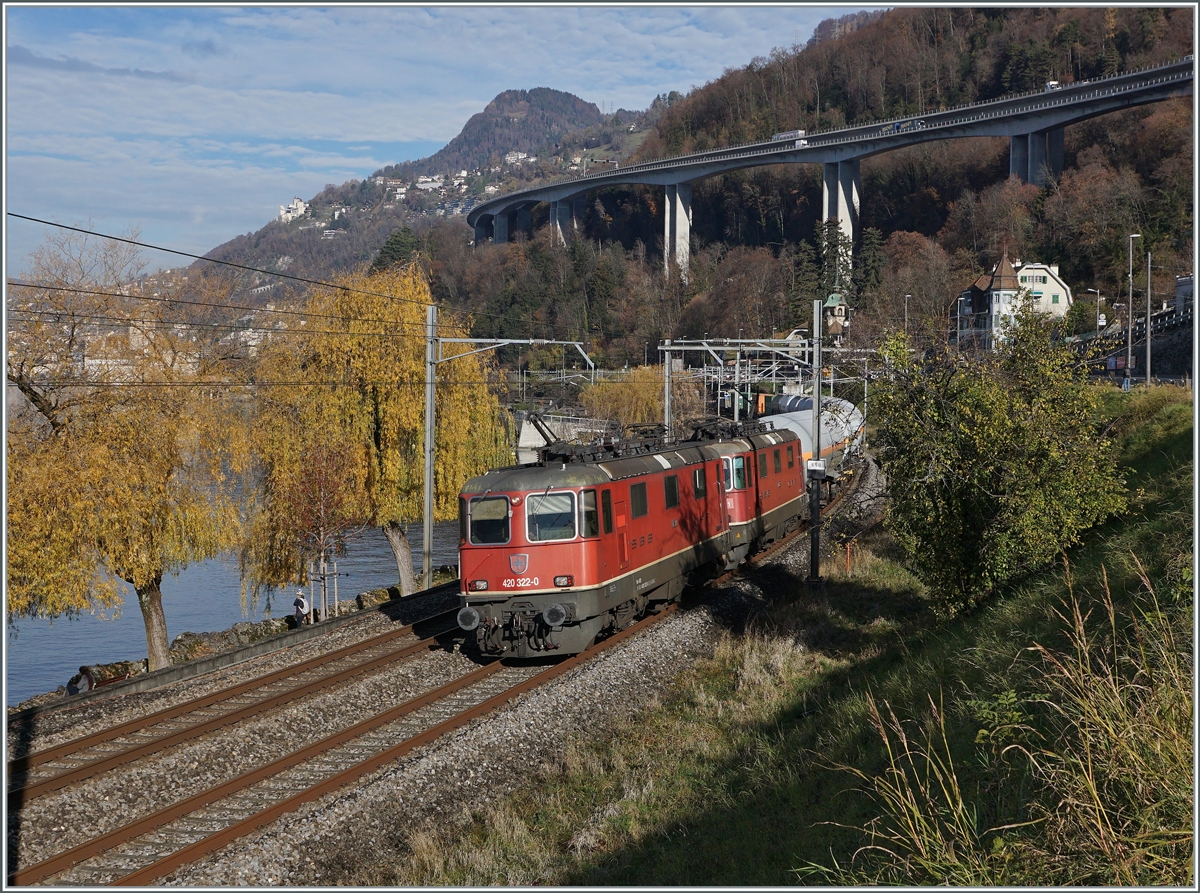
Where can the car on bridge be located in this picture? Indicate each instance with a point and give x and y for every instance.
(902, 127)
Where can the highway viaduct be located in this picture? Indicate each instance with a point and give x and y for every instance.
(1033, 122)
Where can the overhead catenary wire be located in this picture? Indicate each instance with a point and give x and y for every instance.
(99, 321)
(391, 383)
(248, 268)
(420, 327)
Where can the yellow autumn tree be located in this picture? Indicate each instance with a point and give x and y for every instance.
(355, 381)
(117, 462)
(636, 398)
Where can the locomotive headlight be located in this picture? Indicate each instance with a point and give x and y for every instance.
(554, 615)
(566, 580)
(477, 585)
(468, 618)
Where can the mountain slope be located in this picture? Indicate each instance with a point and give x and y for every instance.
(516, 120)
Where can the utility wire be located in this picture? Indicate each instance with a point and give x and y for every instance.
(224, 263)
(99, 321)
(70, 382)
(108, 294)
(250, 269)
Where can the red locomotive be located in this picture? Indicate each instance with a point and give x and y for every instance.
(589, 538)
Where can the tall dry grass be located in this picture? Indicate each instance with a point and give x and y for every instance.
(1111, 762)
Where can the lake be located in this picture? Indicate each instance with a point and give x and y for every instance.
(41, 655)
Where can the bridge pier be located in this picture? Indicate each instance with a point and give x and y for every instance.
(677, 228)
(1018, 156)
(840, 195)
(1055, 151)
(481, 233)
(500, 223)
(525, 220)
(1036, 157)
(565, 215)
(559, 219)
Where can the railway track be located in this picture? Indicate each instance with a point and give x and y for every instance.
(144, 850)
(148, 847)
(44, 771)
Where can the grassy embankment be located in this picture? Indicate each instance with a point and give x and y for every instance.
(1046, 738)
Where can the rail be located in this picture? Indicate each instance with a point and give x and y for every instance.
(330, 675)
(350, 766)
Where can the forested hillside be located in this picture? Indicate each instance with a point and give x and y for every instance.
(934, 216)
(915, 60)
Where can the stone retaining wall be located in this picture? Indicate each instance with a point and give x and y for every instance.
(190, 646)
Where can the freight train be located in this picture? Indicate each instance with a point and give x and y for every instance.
(581, 543)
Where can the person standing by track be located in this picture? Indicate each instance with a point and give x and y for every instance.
(301, 606)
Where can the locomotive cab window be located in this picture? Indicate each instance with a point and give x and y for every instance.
(738, 466)
(589, 518)
(778, 463)
(791, 457)
(488, 520)
(671, 489)
(638, 504)
(550, 516)
(762, 465)
(698, 485)
(606, 506)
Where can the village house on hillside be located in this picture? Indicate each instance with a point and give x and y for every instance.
(290, 212)
(989, 305)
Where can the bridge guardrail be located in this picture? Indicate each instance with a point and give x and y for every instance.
(745, 150)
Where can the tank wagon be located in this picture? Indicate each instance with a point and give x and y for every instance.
(557, 553)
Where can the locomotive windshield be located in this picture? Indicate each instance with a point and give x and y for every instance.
(489, 520)
(550, 516)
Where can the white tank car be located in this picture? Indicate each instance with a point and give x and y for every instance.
(841, 425)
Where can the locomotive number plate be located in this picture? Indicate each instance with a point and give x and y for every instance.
(519, 582)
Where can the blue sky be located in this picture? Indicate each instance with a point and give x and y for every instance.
(195, 124)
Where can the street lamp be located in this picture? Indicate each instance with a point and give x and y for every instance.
(1099, 300)
(1129, 331)
(1148, 258)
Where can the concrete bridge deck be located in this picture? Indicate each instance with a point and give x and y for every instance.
(1033, 122)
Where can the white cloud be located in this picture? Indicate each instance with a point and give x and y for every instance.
(201, 121)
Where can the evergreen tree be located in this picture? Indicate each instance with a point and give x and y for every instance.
(805, 285)
(398, 249)
(868, 270)
(835, 250)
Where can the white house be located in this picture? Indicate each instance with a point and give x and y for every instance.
(1046, 288)
(288, 213)
(984, 310)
